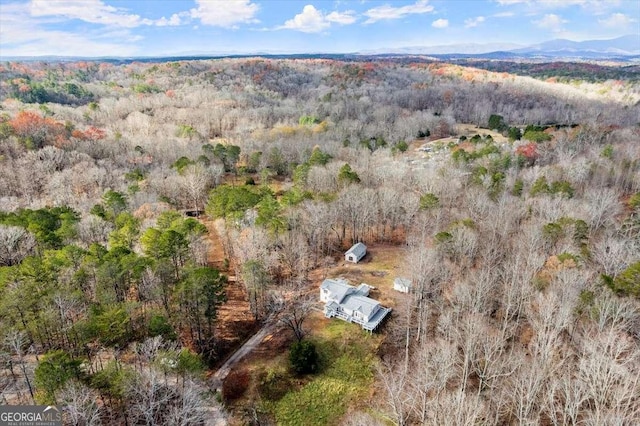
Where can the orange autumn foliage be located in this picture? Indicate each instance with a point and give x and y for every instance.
(77, 134)
(529, 152)
(94, 133)
(91, 134)
(36, 131)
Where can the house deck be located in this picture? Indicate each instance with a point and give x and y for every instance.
(371, 325)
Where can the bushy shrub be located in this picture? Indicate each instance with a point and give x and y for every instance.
(303, 357)
(429, 201)
(159, 326)
(627, 283)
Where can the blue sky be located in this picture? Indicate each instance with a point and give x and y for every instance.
(167, 27)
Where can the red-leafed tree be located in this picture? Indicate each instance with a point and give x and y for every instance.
(36, 131)
(529, 152)
(94, 133)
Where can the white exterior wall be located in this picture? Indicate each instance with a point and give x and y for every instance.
(401, 288)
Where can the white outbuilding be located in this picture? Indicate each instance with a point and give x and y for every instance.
(355, 253)
(402, 285)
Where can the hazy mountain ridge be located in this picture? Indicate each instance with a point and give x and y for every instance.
(622, 48)
(625, 45)
(625, 48)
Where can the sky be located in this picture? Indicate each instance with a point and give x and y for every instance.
(125, 28)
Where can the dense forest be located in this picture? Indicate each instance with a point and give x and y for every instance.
(519, 227)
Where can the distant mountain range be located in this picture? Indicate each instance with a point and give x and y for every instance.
(625, 47)
(622, 46)
(462, 48)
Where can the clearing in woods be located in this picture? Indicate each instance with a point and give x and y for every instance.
(378, 268)
(235, 321)
(335, 339)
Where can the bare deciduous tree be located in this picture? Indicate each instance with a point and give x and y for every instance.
(15, 341)
(196, 180)
(16, 243)
(295, 309)
(80, 404)
(395, 382)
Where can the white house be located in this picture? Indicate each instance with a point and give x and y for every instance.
(402, 285)
(355, 253)
(351, 304)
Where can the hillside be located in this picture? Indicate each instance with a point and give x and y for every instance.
(155, 214)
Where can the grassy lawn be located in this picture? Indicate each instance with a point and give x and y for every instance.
(347, 359)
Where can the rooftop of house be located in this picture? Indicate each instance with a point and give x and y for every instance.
(364, 289)
(376, 319)
(362, 304)
(343, 300)
(337, 287)
(358, 249)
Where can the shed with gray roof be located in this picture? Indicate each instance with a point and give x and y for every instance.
(402, 285)
(355, 253)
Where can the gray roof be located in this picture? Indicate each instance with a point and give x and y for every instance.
(345, 296)
(358, 249)
(376, 319)
(337, 287)
(332, 305)
(405, 282)
(363, 304)
(363, 289)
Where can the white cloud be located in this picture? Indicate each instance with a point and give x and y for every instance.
(92, 11)
(173, 21)
(617, 20)
(551, 22)
(312, 20)
(473, 22)
(440, 23)
(555, 4)
(20, 35)
(97, 12)
(503, 15)
(545, 3)
(226, 14)
(389, 12)
(342, 18)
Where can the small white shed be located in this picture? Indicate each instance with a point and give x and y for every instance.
(402, 285)
(355, 253)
